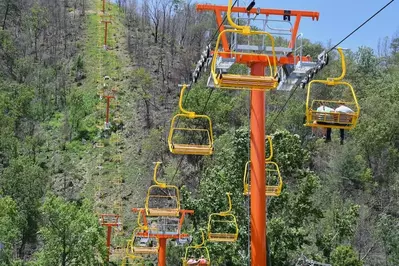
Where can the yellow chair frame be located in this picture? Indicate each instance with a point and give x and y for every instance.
(246, 82)
(338, 120)
(129, 255)
(162, 211)
(228, 218)
(201, 246)
(193, 149)
(142, 249)
(270, 190)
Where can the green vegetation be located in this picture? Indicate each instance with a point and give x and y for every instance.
(339, 203)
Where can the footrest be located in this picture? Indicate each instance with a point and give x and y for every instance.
(192, 149)
(222, 237)
(247, 82)
(162, 212)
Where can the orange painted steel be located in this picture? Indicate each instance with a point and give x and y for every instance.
(162, 238)
(108, 97)
(278, 12)
(258, 177)
(109, 220)
(106, 30)
(103, 6)
(162, 252)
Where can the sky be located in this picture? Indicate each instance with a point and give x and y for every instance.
(338, 18)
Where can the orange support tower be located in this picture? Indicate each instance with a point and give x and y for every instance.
(109, 220)
(286, 14)
(103, 10)
(258, 65)
(106, 21)
(108, 97)
(161, 234)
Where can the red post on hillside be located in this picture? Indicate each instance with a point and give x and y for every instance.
(106, 21)
(108, 97)
(103, 6)
(109, 220)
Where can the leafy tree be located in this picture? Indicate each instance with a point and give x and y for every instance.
(26, 183)
(345, 256)
(9, 230)
(388, 231)
(71, 234)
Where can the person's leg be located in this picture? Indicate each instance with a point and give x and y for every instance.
(328, 135)
(342, 135)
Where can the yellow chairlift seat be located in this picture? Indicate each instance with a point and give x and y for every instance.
(195, 253)
(130, 258)
(162, 199)
(142, 243)
(339, 93)
(192, 124)
(222, 226)
(138, 261)
(273, 178)
(248, 82)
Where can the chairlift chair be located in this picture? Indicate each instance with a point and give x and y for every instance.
(273, 178)
(196, 252)
(130, 257)
(191, 124)
(161, 194)
(222, 226)
(142, 243)
(336, 93)
(247, 82)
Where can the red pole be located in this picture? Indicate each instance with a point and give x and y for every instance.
(107, 115)
(258, 178)
(103, 6)
(109, 231)
(162, 252)
(106, 33)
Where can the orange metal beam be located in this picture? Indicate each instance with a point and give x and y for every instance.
(162, 252)
(114, 221)
(106, 21)
(258, 175)
(108, 97)
(264, 11)
(251, 58)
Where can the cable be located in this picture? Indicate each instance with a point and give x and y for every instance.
(224, 19)
(335, 46)
(181, 160)
(209, 96)
(364, 23)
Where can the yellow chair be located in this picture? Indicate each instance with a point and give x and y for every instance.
(234, 81)
(192, 123)
(130, 258)
(222, 226)
(161, 194)
(339, 93)
(142, 242)
(273, 179)
(196, 252)
(248, 82)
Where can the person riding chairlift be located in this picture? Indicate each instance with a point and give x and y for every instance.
(325, 109)
(202, 261)
(192, 261)
(346, 110)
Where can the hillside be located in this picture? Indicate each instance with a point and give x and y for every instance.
(62, 166)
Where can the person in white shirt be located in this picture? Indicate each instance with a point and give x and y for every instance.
(343, 109)
(192, 261)
(325, 109)
(202, 261)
